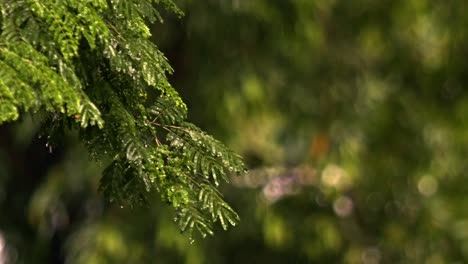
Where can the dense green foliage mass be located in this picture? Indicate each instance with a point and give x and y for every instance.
(90, 66)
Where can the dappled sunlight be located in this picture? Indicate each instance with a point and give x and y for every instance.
(351, 117)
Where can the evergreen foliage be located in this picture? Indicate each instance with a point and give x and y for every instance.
(89, 65)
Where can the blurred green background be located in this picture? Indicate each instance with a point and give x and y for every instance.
(351, 115)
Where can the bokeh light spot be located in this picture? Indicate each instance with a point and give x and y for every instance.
(427, 185)
(343, 206)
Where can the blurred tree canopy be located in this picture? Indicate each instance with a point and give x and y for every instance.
(351, 116)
